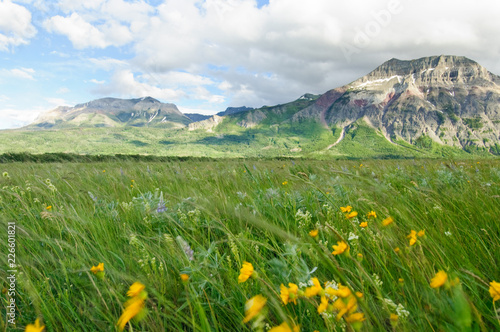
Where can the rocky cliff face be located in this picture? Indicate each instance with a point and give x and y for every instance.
(114, 112)
(207, 124)
(234, 110)
(451, 99)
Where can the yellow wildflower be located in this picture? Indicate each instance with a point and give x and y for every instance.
(351, 215)
(245, 272)
(401, 280)
(439, 279)
(253, 307)
(284, 294)
(371, 214)
(343, 291)
(394, 318)
(284, 183)
(315, 289)
(387, 221)
(135, 289)
(49, 207)
(184, 277)
(360, 257)
(313, 233)
(342, 307)
(340, 248)
(397, 250)
(34, 327)
(346, 209)
(495, 290)
(98, 268)
(363, 224)
(284, 327)
(323, 305)
(289, 294)
(132, 308)
(292, 291)
(421, 233)
(413, 237)
(356, 317)
(359, 295)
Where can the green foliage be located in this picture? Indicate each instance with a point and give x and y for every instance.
(440, 117)
(152, 221)
(473, 123)
(362, 141)
(452, 112)
(423, 142)
(495, 149)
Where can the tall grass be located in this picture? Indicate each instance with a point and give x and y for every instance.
(140, 218)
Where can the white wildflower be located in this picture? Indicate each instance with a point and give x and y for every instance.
(303, 285)
(352, 237)
(400, 310)
(303, 218)
(377, 280)
(390, 303)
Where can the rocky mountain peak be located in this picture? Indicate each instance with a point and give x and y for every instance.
(452, 100)
(113, 112)
(443, 70)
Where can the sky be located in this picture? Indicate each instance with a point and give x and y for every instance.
(207, 55)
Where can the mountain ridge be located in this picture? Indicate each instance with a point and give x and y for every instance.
(113, 112)
(451, 101)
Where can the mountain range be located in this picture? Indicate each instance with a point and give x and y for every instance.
(437, 104)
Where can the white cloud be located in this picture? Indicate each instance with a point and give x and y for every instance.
(23, 73)
(55, 102)
(126, 11)
(15, 25)
(69, 6)
(96, 81)
(81, 33)
(300, 44)
(84, 34)
(178, 78)
(99, 23)
(196, 110)
(124, 84)
(15, 118)
(107, 63)
(116, 33)
(26, 73)
(231, 51)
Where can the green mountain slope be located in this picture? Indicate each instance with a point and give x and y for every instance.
(441, 106)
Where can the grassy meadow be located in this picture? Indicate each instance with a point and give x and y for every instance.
(303, 139)
(185, 231)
